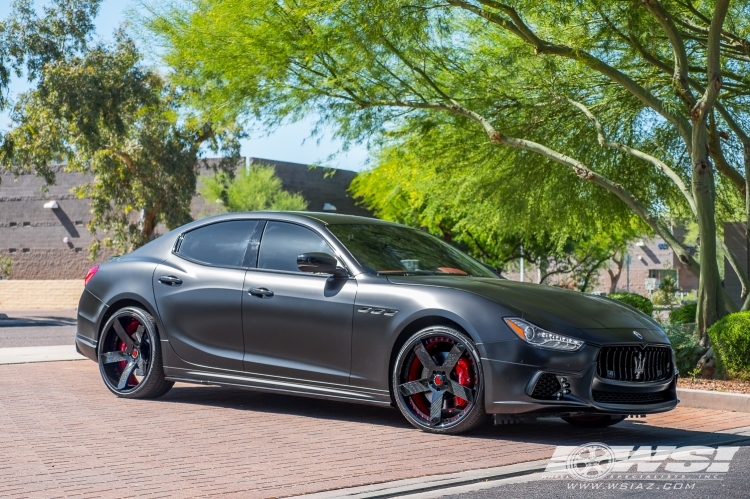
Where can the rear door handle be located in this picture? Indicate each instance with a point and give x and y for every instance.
(260, 292)
(170, 280)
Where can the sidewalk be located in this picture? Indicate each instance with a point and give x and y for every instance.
(24, 355)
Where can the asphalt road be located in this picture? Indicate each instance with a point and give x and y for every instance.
(38, 328)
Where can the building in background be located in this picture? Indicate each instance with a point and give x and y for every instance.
(650, 260)
(45, 234)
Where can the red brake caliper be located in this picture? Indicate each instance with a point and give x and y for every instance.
(464, 379)
(130, 329)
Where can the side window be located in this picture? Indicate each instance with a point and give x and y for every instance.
(222, 244)
(283, 242)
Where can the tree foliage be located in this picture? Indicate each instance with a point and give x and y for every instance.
(635, 300)
(256, 189)
(105, 113)
(425, 183)
(28, 42)
(616, 105)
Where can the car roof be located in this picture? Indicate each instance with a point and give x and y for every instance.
(336, 218)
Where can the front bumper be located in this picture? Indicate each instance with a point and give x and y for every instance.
(509, 384)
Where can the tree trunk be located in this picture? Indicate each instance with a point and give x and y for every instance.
(710, 299)
(614, 277)
(711, 306)
(148, 225)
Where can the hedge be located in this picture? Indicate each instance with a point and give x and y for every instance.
(684, 314)
(634, 300)
(730, 338)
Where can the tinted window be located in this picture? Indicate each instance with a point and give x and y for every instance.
(222, 244)
(390, 249)
(283, 242)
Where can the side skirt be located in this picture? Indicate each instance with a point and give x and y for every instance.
(279, 385)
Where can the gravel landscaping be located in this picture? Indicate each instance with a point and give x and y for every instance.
(718, 385)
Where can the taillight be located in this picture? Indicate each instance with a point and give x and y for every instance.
(91, 273)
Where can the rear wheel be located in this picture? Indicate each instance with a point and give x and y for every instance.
(438, 382)
(594, 421)
(130, 355)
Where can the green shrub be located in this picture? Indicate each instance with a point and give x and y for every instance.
(684, 341)
(634, 300)
(684, 314)
(730, 338)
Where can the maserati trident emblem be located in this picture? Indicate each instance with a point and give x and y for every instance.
(640, 366)
(638, 335)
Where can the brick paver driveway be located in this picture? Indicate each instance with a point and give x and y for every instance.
(63, 434)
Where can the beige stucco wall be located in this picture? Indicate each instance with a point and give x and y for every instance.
(39, 294)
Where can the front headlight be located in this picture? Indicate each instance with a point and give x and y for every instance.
(542, 338)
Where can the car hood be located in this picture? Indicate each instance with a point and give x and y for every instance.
(588, 317)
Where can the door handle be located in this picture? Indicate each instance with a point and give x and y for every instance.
(170, 280)
(260, 292)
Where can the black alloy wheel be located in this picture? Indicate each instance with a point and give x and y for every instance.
(593, 420)
(130, 355)
(438, 383)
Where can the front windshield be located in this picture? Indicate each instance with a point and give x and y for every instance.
(394, 250)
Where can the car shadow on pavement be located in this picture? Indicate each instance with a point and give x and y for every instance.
(547, 431)
(45, 321)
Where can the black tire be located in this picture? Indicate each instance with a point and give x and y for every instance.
(129, 348)
(415, 398)
(594, 421)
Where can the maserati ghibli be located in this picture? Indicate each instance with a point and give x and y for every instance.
(361, 310)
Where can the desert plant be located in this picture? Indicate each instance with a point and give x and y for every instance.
(634, 300)
(685, 343)
(6, 267)
(731, 345)
(684, 314)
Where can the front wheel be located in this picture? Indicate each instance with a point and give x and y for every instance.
(438, 382)
(593, 421)
(130, 355)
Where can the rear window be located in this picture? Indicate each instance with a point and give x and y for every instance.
(221, 244)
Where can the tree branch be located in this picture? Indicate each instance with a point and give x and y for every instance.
(713, 73)
(578, 168)
(638, 154)
(678, 48)
(126, 158)
(543, 47)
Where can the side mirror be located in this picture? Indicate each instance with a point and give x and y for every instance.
(319, 263)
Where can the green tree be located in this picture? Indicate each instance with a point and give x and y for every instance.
(28, 41)
(603, 90)
(256, 189)
(481, 210)
(107, 114)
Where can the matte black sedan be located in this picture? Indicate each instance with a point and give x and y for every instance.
(356, 309)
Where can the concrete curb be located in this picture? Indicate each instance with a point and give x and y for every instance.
(23, 355)
(429, 483)
(706, 399)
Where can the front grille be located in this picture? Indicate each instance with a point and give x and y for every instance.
(546, 386)
(629, 398)
(635, 363)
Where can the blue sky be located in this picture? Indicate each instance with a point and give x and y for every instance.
(291, 142)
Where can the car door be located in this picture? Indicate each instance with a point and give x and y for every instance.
(296, 324)
(198, 292)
